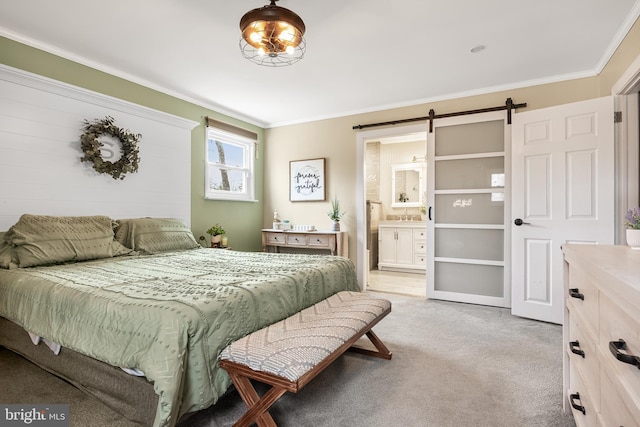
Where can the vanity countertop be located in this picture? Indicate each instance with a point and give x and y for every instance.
(399, 223)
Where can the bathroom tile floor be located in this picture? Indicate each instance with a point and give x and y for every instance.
(397, 282)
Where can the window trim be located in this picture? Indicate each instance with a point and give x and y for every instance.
(249, 147)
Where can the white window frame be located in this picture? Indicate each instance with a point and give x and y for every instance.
(249, 147)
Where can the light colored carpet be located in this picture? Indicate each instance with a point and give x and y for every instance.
(453, 365)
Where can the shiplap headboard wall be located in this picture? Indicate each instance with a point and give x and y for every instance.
(40, 169)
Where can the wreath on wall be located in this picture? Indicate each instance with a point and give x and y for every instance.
(92, 148)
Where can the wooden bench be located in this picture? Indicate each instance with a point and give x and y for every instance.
(290, 353)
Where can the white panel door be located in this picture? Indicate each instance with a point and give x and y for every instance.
(563, 192)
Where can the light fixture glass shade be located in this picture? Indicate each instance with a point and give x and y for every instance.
(272, 36)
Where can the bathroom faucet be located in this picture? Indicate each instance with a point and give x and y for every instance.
(406, 216)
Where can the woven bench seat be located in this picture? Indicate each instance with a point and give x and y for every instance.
(289, 353)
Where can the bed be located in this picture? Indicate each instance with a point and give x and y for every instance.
(144, 295)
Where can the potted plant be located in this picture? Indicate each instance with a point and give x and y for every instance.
(632, 221)
(335, 214)
(216, 231)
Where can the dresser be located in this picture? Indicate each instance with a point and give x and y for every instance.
(336, 242)
(601, 335)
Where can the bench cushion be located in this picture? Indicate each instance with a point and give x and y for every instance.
(292, 347)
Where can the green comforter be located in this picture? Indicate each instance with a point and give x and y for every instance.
(169, 315)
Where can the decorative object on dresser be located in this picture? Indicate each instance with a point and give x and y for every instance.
(217, 235)
(94, 149)
(336, 242)
(306, 180)
(632, 221)
(335, 214)
(600, 334)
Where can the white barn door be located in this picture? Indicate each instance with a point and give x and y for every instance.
(563, 192)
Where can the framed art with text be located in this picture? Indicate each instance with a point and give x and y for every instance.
(306, 180)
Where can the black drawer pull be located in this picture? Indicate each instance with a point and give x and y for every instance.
(616, 346)
(575, 293)
(574, 346)
(575, 406)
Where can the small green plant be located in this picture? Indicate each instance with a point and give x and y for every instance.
(335, 213)
(216, 230)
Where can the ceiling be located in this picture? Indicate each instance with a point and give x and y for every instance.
(362, 55)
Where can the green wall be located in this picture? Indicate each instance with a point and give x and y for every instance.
(241, 220)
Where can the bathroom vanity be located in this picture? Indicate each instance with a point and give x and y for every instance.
(402, 246)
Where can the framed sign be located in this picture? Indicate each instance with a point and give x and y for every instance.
(306, 180)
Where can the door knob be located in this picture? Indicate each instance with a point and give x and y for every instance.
(519, 222)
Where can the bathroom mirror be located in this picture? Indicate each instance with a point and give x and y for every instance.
(407, 185)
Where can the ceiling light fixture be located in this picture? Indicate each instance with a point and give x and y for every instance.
(272, 36)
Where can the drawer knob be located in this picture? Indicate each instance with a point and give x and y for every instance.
(572, 399)
(575, 293)
(574, 346)
(616, 346)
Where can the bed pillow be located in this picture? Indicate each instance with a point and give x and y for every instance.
(42, 240)
(154, 235)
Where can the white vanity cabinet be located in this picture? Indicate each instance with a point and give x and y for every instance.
(402, 246)
(602, 335)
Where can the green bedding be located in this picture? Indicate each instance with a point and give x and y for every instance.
(171, 314)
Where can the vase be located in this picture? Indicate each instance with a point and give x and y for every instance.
(335, 226)
(633, 238)
(215, 240)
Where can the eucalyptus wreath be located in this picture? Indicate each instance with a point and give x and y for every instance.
(91, 146)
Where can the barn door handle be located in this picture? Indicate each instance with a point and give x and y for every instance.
(575, 293)
(574, 346)
(430, 213)
(519, 222)
(616, 346)
(575, 406)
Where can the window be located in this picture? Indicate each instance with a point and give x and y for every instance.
(230, 162)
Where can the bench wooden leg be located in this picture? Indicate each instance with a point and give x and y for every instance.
(258, 406)
(383, 352)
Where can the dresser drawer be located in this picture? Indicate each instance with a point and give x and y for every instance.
(275, 238)
(321, 241)
(613, 411)
(616, 325)
(295, 239)
(582, 298)
(420, 260)
(420, 248)
(579, 396)
(583, 357)
(419, 234)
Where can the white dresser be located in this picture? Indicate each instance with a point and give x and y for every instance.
(601, 335)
